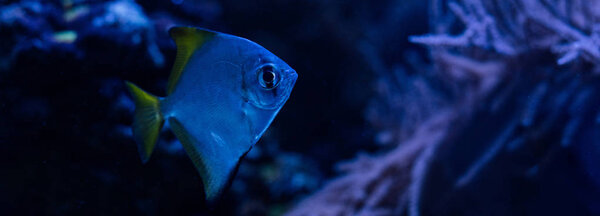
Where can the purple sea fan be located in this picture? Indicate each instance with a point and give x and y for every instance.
(502, 115)
(376, 185)
(510, 28)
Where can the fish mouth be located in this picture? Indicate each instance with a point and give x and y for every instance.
(288, 84)
(294, 76)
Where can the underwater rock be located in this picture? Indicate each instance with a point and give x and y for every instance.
(30, 26)
(125, 22)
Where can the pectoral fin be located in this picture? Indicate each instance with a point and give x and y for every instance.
(216, 164)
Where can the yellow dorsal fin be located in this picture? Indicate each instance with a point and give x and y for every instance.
(187, 40)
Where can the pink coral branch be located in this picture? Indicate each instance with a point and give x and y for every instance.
(483, 31)
(579, 42)
(480, 30)
(369, 190)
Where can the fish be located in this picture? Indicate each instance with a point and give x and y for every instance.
(221, 96)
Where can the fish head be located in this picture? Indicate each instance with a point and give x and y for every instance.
(223, 94)
(267, 84)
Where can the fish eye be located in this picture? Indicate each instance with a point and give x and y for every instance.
(267, 77)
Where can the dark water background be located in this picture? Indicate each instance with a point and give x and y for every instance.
(521, 131)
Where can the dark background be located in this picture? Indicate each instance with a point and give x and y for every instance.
(524, 126)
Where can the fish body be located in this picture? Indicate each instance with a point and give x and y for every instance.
(223, 93)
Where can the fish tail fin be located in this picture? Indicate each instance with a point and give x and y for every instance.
(147, 120)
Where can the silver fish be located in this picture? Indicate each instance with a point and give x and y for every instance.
(222, 94)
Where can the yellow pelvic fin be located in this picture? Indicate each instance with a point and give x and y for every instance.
(215, 169)
(188, 143)
(147, 120)
(187, 40)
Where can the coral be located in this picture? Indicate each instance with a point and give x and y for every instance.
(384, 184)
(515, 27)
(507, 116)
(376, 185)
